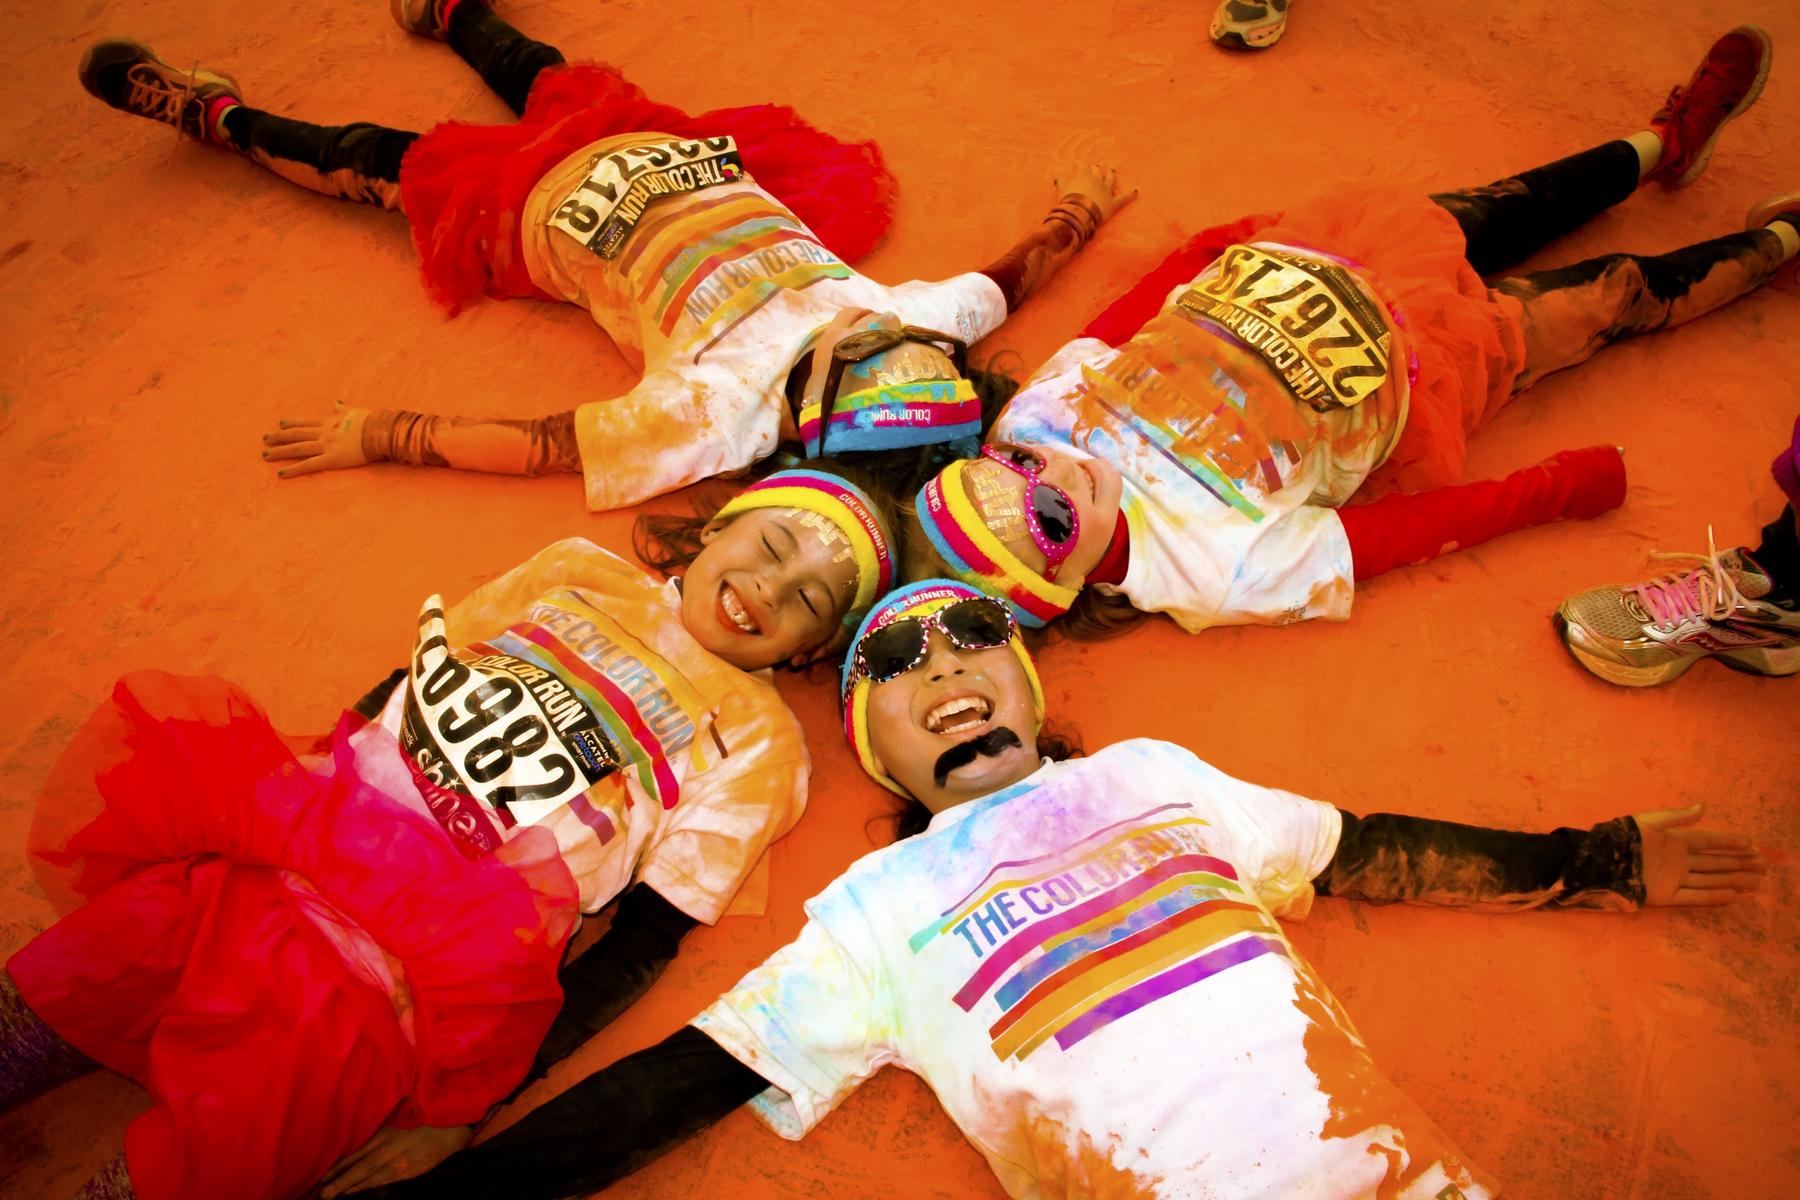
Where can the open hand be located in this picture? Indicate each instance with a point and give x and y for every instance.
(1684, 866)
(395, 1154)
(332, 443)
(1082, 169)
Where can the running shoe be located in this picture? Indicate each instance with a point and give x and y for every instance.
(1725, 84)
(1786, 205)
(129, 77)
(427, 18)
(1249, 24)
(1651, 632)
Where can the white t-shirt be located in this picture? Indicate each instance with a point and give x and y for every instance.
(567, 694)
(1086, 969)
(1229, 477)
(715, 292)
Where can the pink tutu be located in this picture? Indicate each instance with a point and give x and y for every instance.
(464, 186)
(284, 956)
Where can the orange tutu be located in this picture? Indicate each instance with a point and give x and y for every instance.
(284, 955)
(1467, 348)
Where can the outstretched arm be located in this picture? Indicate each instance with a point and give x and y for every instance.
(600, 1130)
(1652, 858)
(1090, 195)
(354, 437)
(619, 968)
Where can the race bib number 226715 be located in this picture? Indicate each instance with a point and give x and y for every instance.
(604, 208)
(1307, 319)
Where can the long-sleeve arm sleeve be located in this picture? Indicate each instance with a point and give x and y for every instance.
(1385, 857)
(600, 1130)
(646, 932)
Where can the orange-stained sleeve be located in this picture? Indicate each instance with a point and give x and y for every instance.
(672, 429)
(572, 562)
(730, 813)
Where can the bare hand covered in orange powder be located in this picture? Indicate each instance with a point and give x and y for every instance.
(333, 443)
(395, 1154)
(1688, 867)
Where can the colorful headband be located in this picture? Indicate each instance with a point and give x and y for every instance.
(915, 600)
(893, 417)
(843, 504)
(959, 535)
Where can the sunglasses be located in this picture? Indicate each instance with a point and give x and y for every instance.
(1050, 515)
(893, 650)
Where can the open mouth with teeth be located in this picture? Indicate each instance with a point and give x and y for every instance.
(959, 714)
(734, 613)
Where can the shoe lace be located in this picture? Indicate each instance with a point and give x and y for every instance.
(1709, 590)
(161, 98)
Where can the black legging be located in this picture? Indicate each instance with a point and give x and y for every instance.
(355, 160)
(1511, 219)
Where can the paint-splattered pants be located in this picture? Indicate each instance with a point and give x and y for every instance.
(1568, 313)
(361, 161)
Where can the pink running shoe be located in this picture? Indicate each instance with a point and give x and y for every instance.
(1651, 632)
(1727, 81)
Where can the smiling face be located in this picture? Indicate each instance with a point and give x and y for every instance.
(769, 585)
(952, 697)
(1094, 485)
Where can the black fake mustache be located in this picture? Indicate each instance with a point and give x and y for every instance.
(993, 743)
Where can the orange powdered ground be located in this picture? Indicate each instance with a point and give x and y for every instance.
(164, 304)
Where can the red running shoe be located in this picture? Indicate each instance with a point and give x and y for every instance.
(1726, 82)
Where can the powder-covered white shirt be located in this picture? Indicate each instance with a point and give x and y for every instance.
(1229, 478)
(568, 694)
(1086, 969)
(715, 293)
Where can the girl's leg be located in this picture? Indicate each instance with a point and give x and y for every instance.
(1571, 312)
(32, 1058)
(1509, 220)
(358, 162)
(507, 60)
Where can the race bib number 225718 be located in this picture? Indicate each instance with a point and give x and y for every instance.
(604, 208)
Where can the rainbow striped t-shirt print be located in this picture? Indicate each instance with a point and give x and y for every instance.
(1069, 942)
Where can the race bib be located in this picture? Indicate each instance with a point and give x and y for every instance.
(602, 211)
(492, 736)
(1307, 319)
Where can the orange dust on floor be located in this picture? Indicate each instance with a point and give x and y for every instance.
(163, 304)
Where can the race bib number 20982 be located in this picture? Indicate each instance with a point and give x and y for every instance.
(604, 208)
(490, 728)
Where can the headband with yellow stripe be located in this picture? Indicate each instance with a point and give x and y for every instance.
(963, 540)
(842, 503)
(915, 600)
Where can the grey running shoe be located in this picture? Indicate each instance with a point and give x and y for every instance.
(129, 77)
(1651, 632)
(1248, 24)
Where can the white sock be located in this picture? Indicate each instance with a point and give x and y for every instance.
(1649, 147)
(1790, 237)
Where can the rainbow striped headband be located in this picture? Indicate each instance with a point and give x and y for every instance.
(959, 535)
(915, 600)
(893, 417)
(843, 504)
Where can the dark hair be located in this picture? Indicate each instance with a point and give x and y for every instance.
(668, 543)
(912, 816)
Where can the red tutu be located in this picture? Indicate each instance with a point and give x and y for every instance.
(1469, 348)
(464, 186)
(283, 955)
